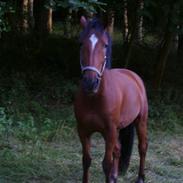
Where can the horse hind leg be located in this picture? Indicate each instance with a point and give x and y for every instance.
(141, 128)
(126, 138)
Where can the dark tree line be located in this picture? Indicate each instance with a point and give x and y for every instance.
(27, 15)
(135, 19)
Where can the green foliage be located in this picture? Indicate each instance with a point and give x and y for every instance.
(38, 112)
(3, 23)
(76, 5)
(163, 15)
(5, 126)
(165, 113)
(5, 7)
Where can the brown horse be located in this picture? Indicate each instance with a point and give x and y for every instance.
(111, 102)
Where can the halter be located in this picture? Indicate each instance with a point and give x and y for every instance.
(92, 68)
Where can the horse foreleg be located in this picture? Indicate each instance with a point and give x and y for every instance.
(116, 157)
(85, 141)
(108, 162)
(141, 128)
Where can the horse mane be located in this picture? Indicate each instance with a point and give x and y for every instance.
(98, 26)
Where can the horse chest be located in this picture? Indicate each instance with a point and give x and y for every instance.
(91, 120)
(91, 115)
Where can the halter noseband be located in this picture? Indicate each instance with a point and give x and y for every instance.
(92, 68)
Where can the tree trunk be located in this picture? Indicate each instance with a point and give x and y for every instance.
(140, 7)
(128, 47)
(163, 55)
(24, 16)
(125, 21)
(130, 33)
(110, 26)
(166, 46)
(49, 20)
(180, 44)
(175, 44)
(31, 14)
(42, 17)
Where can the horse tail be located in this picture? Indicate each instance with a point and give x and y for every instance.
(126, 139)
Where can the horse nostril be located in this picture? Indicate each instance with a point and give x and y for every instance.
(86, 83)
(95, 82)
(90, 84)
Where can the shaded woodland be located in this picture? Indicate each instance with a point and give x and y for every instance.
(40, 71)
(145, 25)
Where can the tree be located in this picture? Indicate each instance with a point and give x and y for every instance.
(24, 15)
(165, 45)
(125, 22)
(132, 17)
(31, 14)
(139, 23)
(42, 17)
(5, 9)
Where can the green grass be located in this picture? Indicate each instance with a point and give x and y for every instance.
(60, 160)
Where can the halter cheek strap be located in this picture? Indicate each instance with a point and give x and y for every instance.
(92, 68)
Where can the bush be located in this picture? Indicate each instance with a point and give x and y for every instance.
(164, 115)
(35, 108)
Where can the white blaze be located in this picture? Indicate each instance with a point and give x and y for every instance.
(93, 38)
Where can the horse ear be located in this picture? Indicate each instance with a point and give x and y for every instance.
(83, 21)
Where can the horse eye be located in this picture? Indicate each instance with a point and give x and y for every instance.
(105, 46)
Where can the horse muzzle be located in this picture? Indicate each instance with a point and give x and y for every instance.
(90, 85)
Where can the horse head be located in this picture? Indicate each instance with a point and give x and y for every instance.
(95, 53)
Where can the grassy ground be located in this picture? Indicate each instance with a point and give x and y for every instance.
(38, 140)
(59, 161)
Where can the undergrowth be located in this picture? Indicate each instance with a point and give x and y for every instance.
(32, 113)
(35, 110)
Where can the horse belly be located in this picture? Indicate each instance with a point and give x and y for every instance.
(129, 111)
(127, 118)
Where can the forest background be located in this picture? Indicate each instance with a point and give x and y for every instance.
(39, 75)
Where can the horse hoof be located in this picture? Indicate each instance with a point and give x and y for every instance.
(113, 180)
(140, 180)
